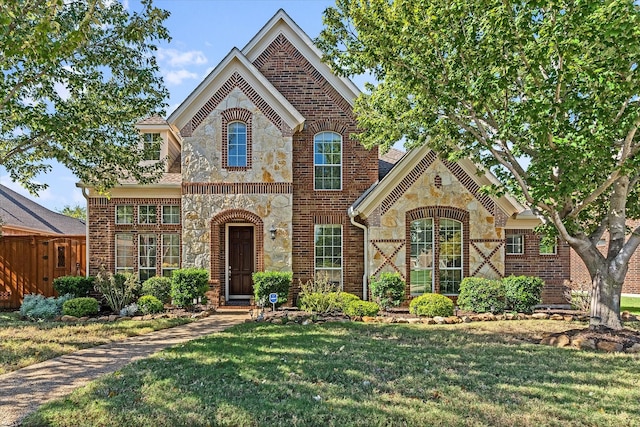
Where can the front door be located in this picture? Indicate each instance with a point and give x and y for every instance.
(241, 262)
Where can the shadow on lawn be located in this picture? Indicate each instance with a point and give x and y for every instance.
(358, 374)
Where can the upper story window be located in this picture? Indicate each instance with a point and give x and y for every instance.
(124, 214)
(170, 214)
(237, 145)
(515, 244)
(147, 214)
(152, 143)
(327, 161)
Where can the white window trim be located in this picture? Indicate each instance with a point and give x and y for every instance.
(246, 145)
(124, 269)
(433, 257)
(522, 245)
(315, 268)
(133, 216)
(140, 214)
(140, 268)
(341, 162)
(461, 268)
(179, 215)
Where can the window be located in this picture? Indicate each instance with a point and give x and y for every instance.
(237, 145)
(548, 248)
(147, 256)
(327, 161)
(147, 214)
(151, 146)
(436, 251)
(124, 253)
(328, 252)
(171, 214)
(124, 214)
(515, 244)
(421, 256)
(170, 253)
(61, 255)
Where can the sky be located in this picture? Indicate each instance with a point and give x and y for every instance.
(202, 32)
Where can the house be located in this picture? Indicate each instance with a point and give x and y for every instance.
(262, 173)
(36, 246)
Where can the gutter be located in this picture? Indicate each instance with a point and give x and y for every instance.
(352, 215)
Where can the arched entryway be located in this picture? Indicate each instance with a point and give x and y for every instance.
(237, 251)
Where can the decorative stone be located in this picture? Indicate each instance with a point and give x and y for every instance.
(103, 318)
(429, 321)
(562, 341)
(368, 319)
(509, 316)
(414, 321)
(440, 320)
(307, 322)
(113, 317)
(539, 316)
(83, 319)
(67, 318)
(466, 319)
(584, 344)
(92, 320)
(609, 346)
(125, 318)
(634, 348)
(137, 318)
(556, 317)
(402, 320)
(568, 318)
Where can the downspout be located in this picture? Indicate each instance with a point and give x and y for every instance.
(86, 197)
(365, 277)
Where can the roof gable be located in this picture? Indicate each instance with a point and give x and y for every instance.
(282, 24)
(20, 212)
(235, 71)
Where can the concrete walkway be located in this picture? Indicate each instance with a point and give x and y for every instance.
(23, 391)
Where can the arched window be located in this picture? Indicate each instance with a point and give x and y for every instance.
(436, 252)
(327, 161)
(237, 144)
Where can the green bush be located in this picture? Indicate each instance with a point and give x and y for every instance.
(119, 290)
(319, 296)
(80, 307)
(388, 290)
(78, 286)
(344, 298)
(482, 295)
(188, 285)
(38, 307)
(431, 305)
(358, 308)
(149, 304)
(267, 282)
(523, 292)
(159, 287)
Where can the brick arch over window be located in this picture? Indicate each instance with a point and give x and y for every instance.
(236, 115)
(437, 212)
(218, 240)
(328, 125)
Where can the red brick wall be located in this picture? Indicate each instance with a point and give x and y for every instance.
(579, 272)
(324, 110)
(103, 228)
(553, 269)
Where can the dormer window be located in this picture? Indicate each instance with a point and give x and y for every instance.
(152, 143)
(237, 145)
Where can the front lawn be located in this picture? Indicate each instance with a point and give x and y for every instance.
(354, 374)
(630, 304)
(23, 343)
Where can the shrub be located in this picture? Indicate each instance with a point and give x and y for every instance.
(388, 290)
(159, 287)
(38, 307)
(118, 290)
(431, 305)
(523, 292)
(80, 307)
(78, 286)
(344, 298)
(149, 304)
(129, 310)
(358, 308)
(267, 282)
(319, 296)
(482, 295)
(188, 285)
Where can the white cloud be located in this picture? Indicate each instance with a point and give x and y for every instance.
(176, 77)
(207, 71)
(176, 58)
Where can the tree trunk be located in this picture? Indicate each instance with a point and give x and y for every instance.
(605, 299)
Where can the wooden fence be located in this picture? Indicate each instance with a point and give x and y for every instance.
(28, 265)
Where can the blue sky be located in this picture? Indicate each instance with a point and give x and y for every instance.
(203, 32)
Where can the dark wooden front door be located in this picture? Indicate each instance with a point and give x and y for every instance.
(241, 263)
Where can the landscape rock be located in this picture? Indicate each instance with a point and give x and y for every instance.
(113, 317)
(466, 319)
(562, 341)
(429, 321)
(583, 343)
(609, 346)
(440, 320)
(126, 318)
(540, 316)
(568, 318)
(67, 318)
(556, 317)
(634, 348)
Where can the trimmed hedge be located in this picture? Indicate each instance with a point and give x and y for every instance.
(148, 304)
(80, 307)
(358, 308)
(523, 292)
(267, 282)
(78, 286)
(482, 295)
(159, 287)
(388, 290)
(188, 285)
(431, 305)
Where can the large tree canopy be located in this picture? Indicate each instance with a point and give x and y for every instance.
(75, 76)
(544, 94)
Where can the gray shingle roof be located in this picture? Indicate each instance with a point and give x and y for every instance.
(388, 160)
(16, 210)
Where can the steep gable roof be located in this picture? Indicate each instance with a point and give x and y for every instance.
(19, 212)
(281, 23)
(234, 70)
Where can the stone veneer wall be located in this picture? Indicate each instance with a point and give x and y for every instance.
(103, 227)
(323, 109)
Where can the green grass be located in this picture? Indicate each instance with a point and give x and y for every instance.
(630, 304)
(354, 374)
(23, 343)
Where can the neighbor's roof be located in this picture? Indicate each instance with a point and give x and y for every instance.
(20, 212)
(388, 160)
